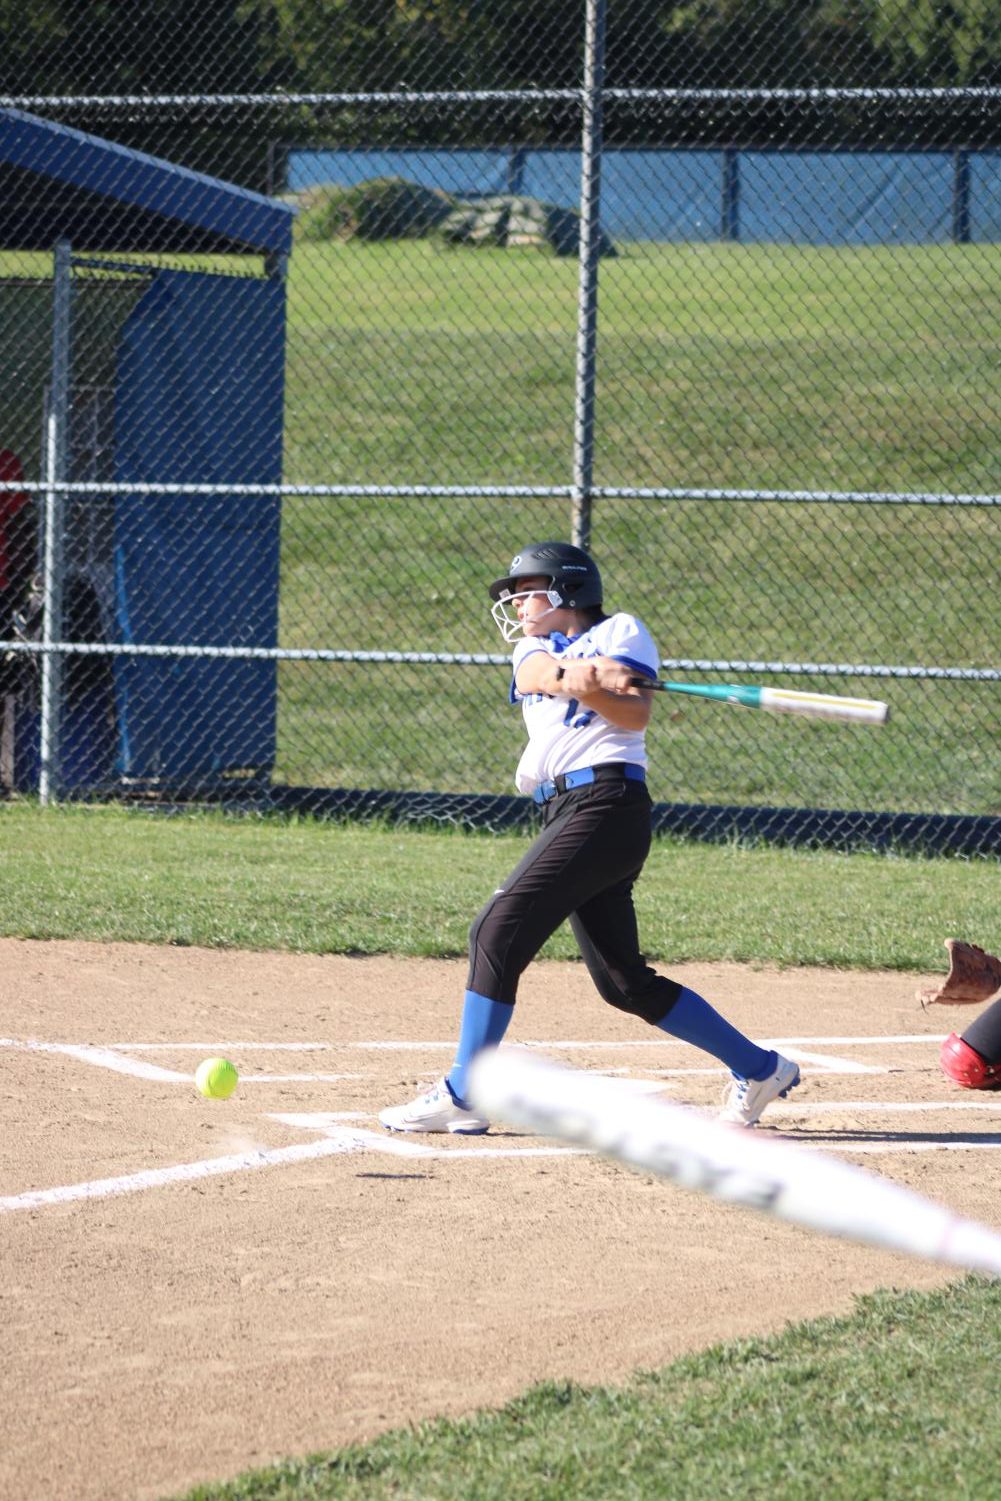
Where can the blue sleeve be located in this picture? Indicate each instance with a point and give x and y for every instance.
(641, 669)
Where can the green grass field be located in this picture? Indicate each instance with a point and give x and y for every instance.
(896, 1401)
(310, 886)
(774, 366)
(781, 367)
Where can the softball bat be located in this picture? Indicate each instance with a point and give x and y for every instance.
(731, 1163)
(782, 700)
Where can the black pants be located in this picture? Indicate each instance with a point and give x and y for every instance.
(984, 1034)
(582, 866)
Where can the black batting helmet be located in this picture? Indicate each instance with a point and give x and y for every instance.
(572, 574)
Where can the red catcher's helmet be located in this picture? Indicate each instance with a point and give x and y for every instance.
(965, 1067)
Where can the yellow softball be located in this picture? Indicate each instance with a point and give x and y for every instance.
(216, 1078)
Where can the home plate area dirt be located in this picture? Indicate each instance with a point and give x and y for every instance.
(194, 1287)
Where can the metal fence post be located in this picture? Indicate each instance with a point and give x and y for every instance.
(56, 449)
(516, 170)
(961, 197)
(730, 196)
(590, 252)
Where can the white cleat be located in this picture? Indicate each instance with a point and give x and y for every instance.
(747, 1098)
(434, 1111)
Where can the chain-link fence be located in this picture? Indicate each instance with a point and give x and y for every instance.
(314, 313)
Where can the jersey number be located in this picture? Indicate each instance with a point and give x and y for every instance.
(582, 720)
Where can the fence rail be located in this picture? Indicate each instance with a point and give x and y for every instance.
(505, 492)
(894, 94)
(488, 659)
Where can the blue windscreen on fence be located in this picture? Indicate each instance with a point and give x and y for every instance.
(837, 198)
(985, 196)
(809, 197)
(645, 195)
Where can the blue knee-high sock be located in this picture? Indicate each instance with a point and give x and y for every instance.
(695, 1021)
(484, 1023)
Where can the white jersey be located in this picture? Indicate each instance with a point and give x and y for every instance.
(563, 736)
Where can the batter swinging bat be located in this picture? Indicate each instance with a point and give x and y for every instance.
(791, 1181)
(782, 700)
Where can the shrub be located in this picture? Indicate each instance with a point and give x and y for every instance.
(383, 208)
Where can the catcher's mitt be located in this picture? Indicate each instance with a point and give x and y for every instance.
(973, 976)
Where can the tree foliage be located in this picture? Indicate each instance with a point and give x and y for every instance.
(280, 47)
(941, 44)
(234, 46)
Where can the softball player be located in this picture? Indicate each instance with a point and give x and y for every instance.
(573, 671)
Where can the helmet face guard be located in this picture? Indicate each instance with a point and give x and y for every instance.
(574, 582)
(507, 621)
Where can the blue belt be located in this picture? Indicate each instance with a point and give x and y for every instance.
(546, 791)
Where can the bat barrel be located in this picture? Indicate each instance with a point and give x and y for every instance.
(825, 706)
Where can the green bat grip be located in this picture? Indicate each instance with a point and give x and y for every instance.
(727, 693)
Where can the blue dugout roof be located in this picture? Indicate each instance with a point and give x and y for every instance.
(60, 183)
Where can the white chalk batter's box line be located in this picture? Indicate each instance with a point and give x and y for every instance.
(119, 1057)
(336, 1138)
(419, 1047)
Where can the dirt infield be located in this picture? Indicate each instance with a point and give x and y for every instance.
(164, 1322)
